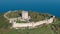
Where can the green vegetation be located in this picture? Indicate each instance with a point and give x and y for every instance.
(53, 28)
(14, 14)
(18, 21)
(4, 25)
(35, 16)
(3, 22)
(56, 25)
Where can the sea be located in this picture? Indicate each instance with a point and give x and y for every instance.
(44, 6)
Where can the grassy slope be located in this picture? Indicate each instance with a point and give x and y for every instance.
(14, 14)
(4, 25)
(35, 16)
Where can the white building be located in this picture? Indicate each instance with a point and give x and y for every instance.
(24, 14)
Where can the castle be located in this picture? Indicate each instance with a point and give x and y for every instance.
(25, 17)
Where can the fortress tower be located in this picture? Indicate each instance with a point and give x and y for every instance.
(24, 14)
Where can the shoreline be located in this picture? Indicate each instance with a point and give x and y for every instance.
(37, 12)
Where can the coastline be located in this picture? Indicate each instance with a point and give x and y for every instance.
(57, 16)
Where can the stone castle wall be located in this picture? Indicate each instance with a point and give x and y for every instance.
(32, 24)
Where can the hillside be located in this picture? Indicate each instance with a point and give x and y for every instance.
(53, 28)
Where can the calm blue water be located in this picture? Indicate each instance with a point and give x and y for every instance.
(47, 6)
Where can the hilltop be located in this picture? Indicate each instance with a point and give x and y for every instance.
(35, 16)
(43, 29)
